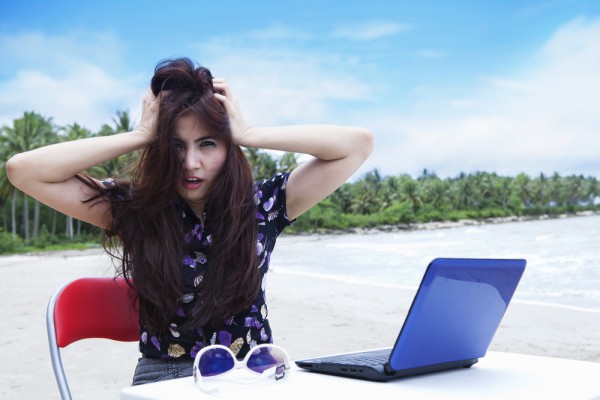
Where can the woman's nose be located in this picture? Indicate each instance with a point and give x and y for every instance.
(190, 160)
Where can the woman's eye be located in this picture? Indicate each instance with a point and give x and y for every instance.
(206, 143)
(178, 145)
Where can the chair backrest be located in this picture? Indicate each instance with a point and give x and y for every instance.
(89, 308)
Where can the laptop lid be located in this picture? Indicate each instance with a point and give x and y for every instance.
(456, 311)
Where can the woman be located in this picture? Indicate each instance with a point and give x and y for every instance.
(195, 233)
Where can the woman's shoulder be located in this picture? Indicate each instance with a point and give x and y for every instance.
(279, 181)
(270, 199)
(270, 189)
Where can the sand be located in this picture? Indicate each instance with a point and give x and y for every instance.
(309, 316)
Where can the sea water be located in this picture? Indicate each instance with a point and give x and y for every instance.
(563, 256)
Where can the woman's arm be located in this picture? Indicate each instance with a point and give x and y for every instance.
(338, 150)
(48, 173)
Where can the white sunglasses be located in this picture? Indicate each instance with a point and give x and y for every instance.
(263, 361)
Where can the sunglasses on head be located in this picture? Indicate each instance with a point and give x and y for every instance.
(263, 361)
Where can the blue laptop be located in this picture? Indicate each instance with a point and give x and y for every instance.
(451, 322)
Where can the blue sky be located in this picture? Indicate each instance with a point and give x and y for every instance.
(461, 86)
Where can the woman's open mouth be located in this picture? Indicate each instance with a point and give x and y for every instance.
(192, 182)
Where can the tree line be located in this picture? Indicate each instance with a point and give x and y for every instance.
(370, 202)
(376, 201)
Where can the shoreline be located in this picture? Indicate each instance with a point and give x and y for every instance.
(435, 225)
(413, 289)
(411, 227)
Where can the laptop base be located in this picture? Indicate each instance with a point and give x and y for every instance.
(382, 373)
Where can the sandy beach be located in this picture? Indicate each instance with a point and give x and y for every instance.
(309, 316)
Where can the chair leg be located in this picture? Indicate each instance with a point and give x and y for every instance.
(59, 373)
(57, 365)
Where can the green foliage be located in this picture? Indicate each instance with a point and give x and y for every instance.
(8, 244)
(44, 239)
(398, 213)
(375, 201)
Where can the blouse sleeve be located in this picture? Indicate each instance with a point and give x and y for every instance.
(270, 197)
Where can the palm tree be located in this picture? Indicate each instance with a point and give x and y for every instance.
(374, 180)
(27, 133)
(411, 192)
(463, 192)
(6, 189)
(73, 132)
(539, 190)
(390, 192)
(592, 191)
(523, 188)
(263, 165)
(556, 190)
(365, 193)
(485, 189)
(438, 192)
(121, 123)
(576, 189)
(503, 191)
(288, 162)
(117, 167)
(363, 201)
(343, 197)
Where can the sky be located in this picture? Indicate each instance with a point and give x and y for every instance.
(448, 86)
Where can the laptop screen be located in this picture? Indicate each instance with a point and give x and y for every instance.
(456, 311)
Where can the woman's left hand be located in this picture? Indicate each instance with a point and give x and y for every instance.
(150, 108)
(237, 122)
(338, 151)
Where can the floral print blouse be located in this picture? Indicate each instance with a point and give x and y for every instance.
(250, 327)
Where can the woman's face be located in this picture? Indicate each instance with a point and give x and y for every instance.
(203, 156)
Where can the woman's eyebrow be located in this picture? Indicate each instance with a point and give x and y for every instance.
(204, 138)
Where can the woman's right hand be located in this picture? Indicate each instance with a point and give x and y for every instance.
(150, 107)
(237, 122)
(49, 173)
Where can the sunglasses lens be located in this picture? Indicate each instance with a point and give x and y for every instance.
(215, 362)
(265, 358)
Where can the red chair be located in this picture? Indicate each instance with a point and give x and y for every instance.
(89, 308)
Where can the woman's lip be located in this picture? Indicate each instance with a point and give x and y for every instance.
(192, 184)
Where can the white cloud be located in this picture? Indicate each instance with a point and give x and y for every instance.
(509, 85)
(85, 94)
(53, 52)
(279, 86)
(277, 32)
(370, 30)
(544, 119)
(68, 78)
(71, 78)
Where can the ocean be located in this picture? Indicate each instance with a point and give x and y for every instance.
(563, 256)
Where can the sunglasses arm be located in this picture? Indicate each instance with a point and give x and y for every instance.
(277, 372)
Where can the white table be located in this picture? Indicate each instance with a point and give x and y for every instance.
(496, 376)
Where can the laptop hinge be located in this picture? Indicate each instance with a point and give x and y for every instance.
(388, 369)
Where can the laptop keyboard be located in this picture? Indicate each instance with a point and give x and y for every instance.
(369, 358)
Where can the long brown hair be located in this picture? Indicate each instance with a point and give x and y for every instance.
(147, 212)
